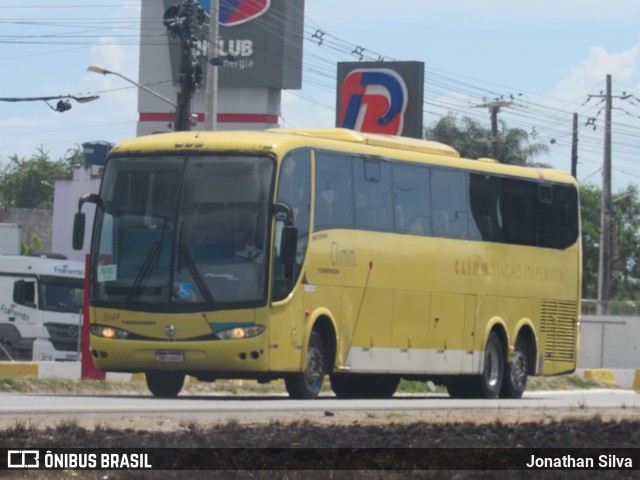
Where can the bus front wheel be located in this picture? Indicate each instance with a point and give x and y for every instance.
(306, 385)
(165, 384)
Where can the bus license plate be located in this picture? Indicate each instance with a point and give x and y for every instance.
(170, 357)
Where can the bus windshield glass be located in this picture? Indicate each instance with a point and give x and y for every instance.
(184, 231)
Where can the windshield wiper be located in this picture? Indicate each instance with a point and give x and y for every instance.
(137, 288)
(200, 283)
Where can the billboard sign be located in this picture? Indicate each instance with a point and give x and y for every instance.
(235, 12)
(259, 43)
(381, 97)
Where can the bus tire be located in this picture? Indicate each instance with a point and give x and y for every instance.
(346, 385)
(307, 385)
(489, 383)
(165, 384)
(514, 382)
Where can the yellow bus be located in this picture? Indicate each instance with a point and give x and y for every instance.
(301, 254)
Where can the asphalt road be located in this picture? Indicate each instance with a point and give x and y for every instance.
(610, 402)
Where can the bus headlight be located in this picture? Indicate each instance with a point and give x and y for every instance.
(237, 333)
(109, 332)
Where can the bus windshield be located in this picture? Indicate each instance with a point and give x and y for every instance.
(183, 231)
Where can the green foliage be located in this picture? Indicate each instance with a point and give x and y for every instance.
(472, 140)
(36, 245)
(626, 238)
(625, 241)
(590, 206)
(28, 183)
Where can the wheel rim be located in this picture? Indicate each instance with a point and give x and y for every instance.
(518, 368)
(492, 370)
(314, 373)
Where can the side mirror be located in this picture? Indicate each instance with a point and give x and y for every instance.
(283, 213)
(288, 245)
(79, 221)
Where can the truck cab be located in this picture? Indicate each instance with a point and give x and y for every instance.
(40, 308)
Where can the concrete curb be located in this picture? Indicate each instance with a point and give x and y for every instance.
(602, 375)
(62, 370)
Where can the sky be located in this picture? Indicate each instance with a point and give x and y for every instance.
(547, 56)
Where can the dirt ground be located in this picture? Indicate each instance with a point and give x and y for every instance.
(365, 446)
(316, 445)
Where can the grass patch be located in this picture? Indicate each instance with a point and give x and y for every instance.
(419, 388)
(562, 382)
(247, 387)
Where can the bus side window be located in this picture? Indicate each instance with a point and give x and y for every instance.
(374, 204)
(484, 200)
(450, 203)
(412, 199)
(334, 191)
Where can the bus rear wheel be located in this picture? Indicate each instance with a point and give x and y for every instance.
(165, 384)
(346, 385)
(489, 383)
(307, 385)
(516, 372)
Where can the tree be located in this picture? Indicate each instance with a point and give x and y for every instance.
(625, 242)
(590, 207)
(27, 183)
(472, 141)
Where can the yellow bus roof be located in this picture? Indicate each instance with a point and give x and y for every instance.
(340, 139)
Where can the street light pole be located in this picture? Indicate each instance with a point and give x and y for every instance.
(100, 69)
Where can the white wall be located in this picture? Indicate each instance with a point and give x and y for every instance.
(609, 342)
(65, 205)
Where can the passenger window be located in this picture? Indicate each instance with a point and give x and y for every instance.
(486, 221)
(412, 199)
(450, 203)
(373, 198)
(519, 201)
(334, 191)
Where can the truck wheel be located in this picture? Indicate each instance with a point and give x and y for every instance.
(165, 384)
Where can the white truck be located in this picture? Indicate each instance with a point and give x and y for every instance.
(9, 239)
(40, 308)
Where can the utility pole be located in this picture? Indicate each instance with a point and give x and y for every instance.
(604, 259)
(574, 147)
(211, 112)
(184, 91)
(494, 107)
(186, 21)
(605, 254)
